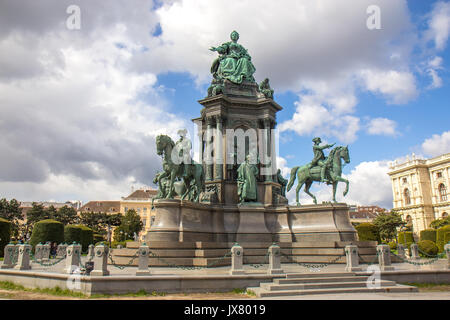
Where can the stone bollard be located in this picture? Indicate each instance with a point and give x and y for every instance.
(9, 260)
(401, 251)
(237, 259)
(38, 250)
(447, 252)
(73, 254)
(100, 261)
(275, 260)
(91, 253)
(384, 257)
(23, 260)
(143, 269)
(45, 252)
(352, 258)
(414, 252)
(61, 250)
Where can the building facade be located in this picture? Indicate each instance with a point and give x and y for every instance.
(360, 214)
(141, 201)
(421, 190)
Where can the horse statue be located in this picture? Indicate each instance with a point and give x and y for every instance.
(333, 171)
(192, 176)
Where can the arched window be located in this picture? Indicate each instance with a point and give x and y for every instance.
(442, 192)
(407, 197)
(445, 215)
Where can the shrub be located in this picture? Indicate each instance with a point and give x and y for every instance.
(5, 234)
(368, 232)
(392, 245)
(428, 234)
(47, 231)
(72, 233)
(427, 248)
(98, 238)
(440, 237)
(406, 238)
(87, 237)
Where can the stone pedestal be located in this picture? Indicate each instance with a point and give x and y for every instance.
(237, 260)
(45, 252)
(38, 252)
(252, 225)
(352, 258)
(100, 261)
(73, 255)
(9, 256)
(143, 269)
(61, 250)
(23, 260)
(275, 260)
(91, 252)
(384, 257)
(447, 252)
(414, 252)
(401, 251)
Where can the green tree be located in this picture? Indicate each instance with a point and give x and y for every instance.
(99, 221)
(11, 211)
(439, 223)
(131, 223)
(37, 213)
(387, 224)
(67, 215)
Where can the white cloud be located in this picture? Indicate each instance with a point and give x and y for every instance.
(436, 145)
(397, 86)
(382, 126)
(439, 24)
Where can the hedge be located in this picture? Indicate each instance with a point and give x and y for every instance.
(428, 234)
(98, 238)
(427, 248)
(87, 237)
(406, 238)
(5, 234)
(72, 233)
(47, 231)
(368, 232)
(441, 235)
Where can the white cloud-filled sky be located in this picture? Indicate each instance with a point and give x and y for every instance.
(80, 109)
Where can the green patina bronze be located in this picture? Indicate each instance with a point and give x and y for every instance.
(265, 89)
(246, 181)
(184, 169)
(321, 169)
(234, 62)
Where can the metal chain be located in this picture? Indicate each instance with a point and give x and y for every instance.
(171, 265)
(431, 261)
(259, 265)
(121, 267)
(51, 264)
(312, 266)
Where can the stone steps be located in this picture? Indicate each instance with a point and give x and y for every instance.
(324, 283)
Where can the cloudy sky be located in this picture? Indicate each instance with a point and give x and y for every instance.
(80, 107)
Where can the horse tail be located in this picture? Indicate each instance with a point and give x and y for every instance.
(292, 177)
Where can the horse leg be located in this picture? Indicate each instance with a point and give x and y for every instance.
(307, 186)
(334, 191)
(297, 190)
(346, 184)
(171, 188)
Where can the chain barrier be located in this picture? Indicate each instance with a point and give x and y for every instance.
(313, 266)
(374, 260)
(431, 261)
(50, 264)
(121, 267)
(259, 265)
(209, 265)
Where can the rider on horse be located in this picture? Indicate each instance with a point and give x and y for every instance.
(184, 146)
(319, 158)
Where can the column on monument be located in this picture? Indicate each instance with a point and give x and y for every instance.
(268, 148)
(208, 148)
(218, 151)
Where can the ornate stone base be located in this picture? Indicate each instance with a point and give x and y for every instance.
(183, 221)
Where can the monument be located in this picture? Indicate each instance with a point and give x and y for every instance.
(236, 193)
